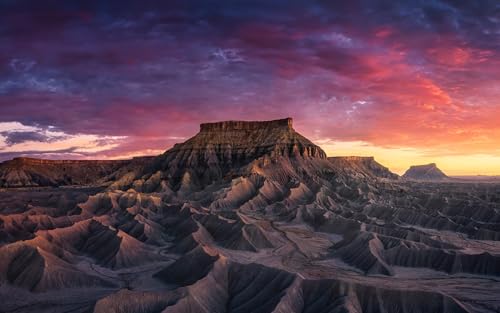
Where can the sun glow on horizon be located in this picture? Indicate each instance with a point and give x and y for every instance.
(399, 160)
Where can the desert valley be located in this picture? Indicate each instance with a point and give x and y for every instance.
(245, 217)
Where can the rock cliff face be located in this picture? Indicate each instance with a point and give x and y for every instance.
(425, 172)
(223, 148)
(234, 143)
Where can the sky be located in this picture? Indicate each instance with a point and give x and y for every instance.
(409, 82)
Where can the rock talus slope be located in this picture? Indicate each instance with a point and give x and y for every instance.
(252, 217)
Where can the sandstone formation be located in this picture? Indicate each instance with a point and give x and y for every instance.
(251, 217)
(425, 172)
(222, 148)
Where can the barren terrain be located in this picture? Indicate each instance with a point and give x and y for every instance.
(249, 217)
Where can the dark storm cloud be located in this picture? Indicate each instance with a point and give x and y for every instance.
(14, 137)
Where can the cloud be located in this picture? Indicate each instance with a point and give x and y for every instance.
(228, 55)
(12, 138)
(19, 139)
(21, 65)
(24, 78)
(13, 133)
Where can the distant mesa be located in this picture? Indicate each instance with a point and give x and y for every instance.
(30, 172)
(425, 172)
(364, 165)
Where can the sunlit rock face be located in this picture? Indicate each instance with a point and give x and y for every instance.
(251, 217)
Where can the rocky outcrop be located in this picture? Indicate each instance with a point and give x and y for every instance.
(425, 172)
(224, 147)
(233, 143)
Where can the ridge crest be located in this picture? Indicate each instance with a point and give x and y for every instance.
(286, 123)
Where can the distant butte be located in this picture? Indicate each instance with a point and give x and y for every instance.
(425, 172)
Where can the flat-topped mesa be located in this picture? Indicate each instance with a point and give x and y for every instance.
(285, 123)
(225, 147)
(425, 172)
(238, 142)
